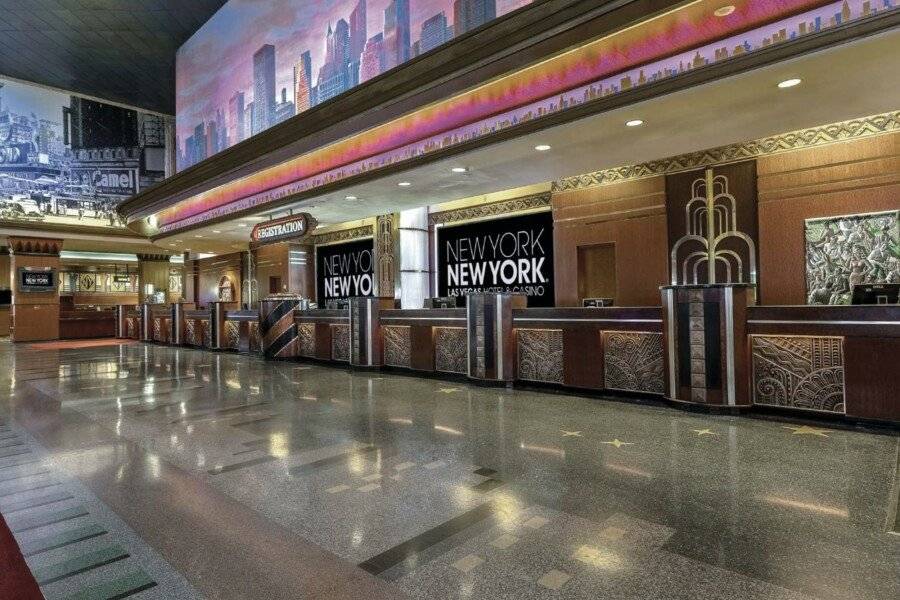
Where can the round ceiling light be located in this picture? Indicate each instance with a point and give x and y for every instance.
(404, 184)
(350, 198)
(542, 147)
(460, 169)
(634, 123)
(724, 11)
(789, 83)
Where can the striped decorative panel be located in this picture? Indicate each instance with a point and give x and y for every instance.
(277, 328)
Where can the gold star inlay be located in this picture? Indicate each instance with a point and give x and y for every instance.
(807, 430)
(702, 432)
(618, 443)
(448, 390)
(570, 433)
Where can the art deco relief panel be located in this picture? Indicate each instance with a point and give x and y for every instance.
(633, 361)
(540, 355)
(255, 339)
(190, 332)
(306, 335)
(340, 342)
(450, 352)
(232, 335)
(397, 346)
(799, 372)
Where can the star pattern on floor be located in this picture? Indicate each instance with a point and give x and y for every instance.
(807, 430)
(702, 432)
(570, 433)
(448, 390)
(618, 443)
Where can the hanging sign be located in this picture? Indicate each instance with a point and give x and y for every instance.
(294, 226)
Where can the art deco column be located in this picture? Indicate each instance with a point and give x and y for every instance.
(365, 330)
(491, 340)
(35, 304)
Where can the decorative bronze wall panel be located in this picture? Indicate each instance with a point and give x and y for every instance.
(306, 334)
(540, 354)
(255, 339)
(633, 361)
(190, 332)
(799, 372)
(207, 334)
(340, 342)
(397, 346)
(450, 350)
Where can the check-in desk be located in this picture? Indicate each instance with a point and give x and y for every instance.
(241, 331)
(197, 328)
(429, 340)
(607, 348)
(159, 328)
(84, 324)
(839, 360)
(323, 334)
(128, 321)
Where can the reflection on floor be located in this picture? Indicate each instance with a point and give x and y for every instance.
(173, 473)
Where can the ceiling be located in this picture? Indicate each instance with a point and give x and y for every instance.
(734, 109)
(118, 50)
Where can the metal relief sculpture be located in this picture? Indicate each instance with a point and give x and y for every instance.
(450, 351)
(306, 335)
(255, 338)
(340, 342)
(541, 355)
(845, 251)
(799, 372)
(397, 346)
(385, 230)
(633, 361)
(711, 221)
(232, 334)
(190, 332)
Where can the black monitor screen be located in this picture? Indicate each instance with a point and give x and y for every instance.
(37, 281)
(878, 293)
(5, 297)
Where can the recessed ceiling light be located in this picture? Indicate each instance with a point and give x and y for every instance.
(542, 147)
(789, 83)
(198, 236)
(242, 224)
(404, 184)
(177, 241)
(634, 123)
(350, 198)
(217, 231)
(460, 169)
(724, 11)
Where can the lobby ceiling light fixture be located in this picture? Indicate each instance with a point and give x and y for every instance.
(789, 83)
(404, 184)
(542, 147)
(351, 198)
(460, 169)
(724, 11)
(634, 123)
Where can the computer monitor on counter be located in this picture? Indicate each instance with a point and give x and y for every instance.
(876, 293)
(597, 302)
(442, 302)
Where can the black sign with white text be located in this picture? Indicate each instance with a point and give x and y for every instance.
(501, 255)
(37, 281)
(345, 271)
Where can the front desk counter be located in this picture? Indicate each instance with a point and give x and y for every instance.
(160, 326)
(323, 334)
(197, 328)
(84, 324)
(840, 360)
(430, 340)
(241, 331)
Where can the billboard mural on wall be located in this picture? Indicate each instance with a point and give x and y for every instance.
(514, 255)
(255, 64)
(345, 271)
(70, 160)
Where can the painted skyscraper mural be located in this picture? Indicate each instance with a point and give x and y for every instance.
(257, 63)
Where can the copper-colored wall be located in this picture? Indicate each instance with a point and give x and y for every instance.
(846, 178)
(35, 315)
(296, 270)
(209, 271)
(630, 215)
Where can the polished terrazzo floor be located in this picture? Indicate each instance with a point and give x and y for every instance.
(177, 473)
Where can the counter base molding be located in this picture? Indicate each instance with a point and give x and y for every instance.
(340, 343)
(397, 346)
(540, 355)
(633, 362)
(803, 372)
(450, 350)
(306, 334)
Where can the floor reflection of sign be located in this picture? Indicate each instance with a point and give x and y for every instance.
(345, 271)
(502, 255)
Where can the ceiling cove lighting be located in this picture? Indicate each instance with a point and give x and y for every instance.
(634, 123)
(789, 83)
(724, 11)
(542, 147)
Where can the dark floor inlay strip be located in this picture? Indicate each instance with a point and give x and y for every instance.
(220, 411)
(241, 465)
(330, 461)
(26, 488)
(8, 453)
(24, 475)
(60, 540)
(20, 463)
(123, 587)
(487, 485)
(251, 422)
(44, 500)
(79, 564)
(28, 523)
(11, 444)
(485, 472)
(414, 546)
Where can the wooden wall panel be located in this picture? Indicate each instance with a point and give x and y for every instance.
(852, 177)
(630, 215)
(35, 315)
(275, 260)
(211, 270)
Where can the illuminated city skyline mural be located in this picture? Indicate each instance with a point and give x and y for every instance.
(294, 55)
(69, 160)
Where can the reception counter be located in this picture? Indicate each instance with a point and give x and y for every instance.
(241, 331)
(430, 340)
(83, 324)
(323, 334)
